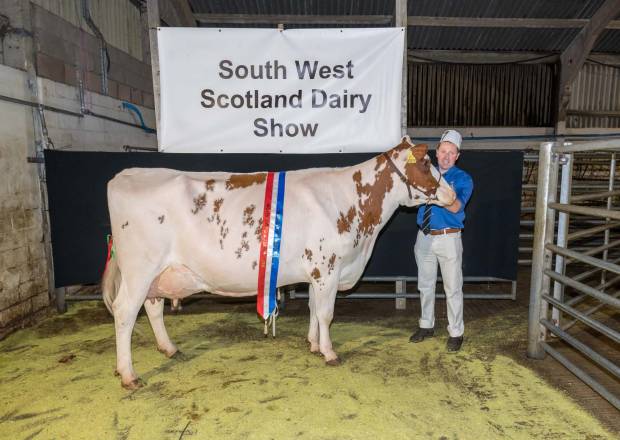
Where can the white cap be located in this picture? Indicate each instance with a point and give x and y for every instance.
(452, 136)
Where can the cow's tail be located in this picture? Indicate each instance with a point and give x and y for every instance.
(110, 283)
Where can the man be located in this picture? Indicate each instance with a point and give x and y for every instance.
(439, 241)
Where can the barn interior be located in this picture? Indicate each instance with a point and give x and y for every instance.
(77, 76)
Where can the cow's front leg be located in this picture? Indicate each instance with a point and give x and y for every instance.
(324, 303)
(155, 311)
(125, 310)
(313, 329)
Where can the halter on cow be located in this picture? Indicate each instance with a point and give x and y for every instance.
(177, 233)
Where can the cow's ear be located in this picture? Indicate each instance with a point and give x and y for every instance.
(405, 142)
(420, 150)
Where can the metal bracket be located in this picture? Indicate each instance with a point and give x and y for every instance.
(563, 158)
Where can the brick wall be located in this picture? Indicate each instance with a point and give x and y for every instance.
(90, 133)
(65, 52)
(23, 266)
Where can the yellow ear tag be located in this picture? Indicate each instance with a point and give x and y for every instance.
(410, 157)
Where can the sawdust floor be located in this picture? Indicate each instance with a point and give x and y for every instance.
(57, 379)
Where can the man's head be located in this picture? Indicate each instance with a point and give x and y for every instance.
(448, 149)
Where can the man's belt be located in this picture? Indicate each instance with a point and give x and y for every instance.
(445, 231)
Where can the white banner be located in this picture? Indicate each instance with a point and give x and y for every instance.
(270, 91)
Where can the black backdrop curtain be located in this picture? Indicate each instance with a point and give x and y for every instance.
(80, 223)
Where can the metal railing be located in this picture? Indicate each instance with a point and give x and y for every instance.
(585, 287)
(583, 164)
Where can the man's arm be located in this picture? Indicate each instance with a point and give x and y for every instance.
(454, 207)
(463, 190)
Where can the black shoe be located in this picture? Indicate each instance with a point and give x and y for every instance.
(454, 344)
(421, 334)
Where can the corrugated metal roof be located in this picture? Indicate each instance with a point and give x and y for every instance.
(309, 7)
(501, 39)
(596, 88)
(470, 95)
(440, 38)
(489, 39)
(434, 8)
(505, 8)
(609, 41)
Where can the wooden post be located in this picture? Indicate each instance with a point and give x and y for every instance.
(400, 20)
(152, 9)
(145, 34)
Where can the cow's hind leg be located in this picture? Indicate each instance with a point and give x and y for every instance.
(126, 307)
(324, 302)
(313, 330)
(155, 311)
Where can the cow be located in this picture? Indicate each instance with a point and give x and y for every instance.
(177, 233)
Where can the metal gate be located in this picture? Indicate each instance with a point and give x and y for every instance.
(574, 270)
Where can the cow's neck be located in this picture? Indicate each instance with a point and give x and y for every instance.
(378, 193)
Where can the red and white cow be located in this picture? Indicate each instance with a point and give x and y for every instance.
(177, 233)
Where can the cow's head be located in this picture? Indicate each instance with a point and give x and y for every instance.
(423, 181)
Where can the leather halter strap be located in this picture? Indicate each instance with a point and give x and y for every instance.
(400, 174)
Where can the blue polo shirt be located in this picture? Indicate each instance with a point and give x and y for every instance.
(441, 218)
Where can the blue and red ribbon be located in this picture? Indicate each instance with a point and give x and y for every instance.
(111, 252)
(271, 236)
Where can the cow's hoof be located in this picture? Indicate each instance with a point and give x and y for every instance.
(168, 353)
(334, 362)
(134, 384)
(179, 356)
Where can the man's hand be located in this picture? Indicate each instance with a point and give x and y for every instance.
(444, 196)
(455, 207)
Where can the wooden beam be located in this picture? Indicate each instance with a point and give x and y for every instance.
(185, 13)
(480, 57)
(412, 20)
(483, 22)
(573, 57)
(594, 113)
(292, 19)
(176, 13)
(490, 57)
(605, 58)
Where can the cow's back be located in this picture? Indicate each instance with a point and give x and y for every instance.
(212, 222)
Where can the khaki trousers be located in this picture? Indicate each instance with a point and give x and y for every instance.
(447, 250)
